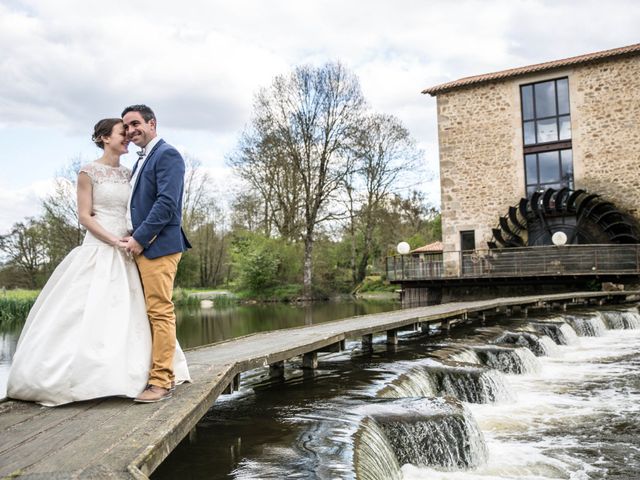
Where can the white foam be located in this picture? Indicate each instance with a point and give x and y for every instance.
(548, 400)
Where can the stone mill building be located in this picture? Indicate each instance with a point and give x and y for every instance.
(539, 177)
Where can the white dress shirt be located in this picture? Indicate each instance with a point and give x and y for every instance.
(134, 178)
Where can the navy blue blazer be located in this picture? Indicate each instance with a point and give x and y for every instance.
(156, 203)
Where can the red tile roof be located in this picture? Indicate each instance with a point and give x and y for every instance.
(539, 67)
(434, 247)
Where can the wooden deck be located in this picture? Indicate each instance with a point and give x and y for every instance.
(116, 438)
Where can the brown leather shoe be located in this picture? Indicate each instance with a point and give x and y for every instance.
(153, 394)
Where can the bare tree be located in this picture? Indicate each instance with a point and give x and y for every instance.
(385, 155)
(262, 162)
(196, 196)
(204, 224)
(303, 127)
(249, 212)
(60, 215)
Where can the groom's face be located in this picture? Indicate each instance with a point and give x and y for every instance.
(139, 131)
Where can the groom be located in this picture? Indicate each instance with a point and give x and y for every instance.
(157, 240)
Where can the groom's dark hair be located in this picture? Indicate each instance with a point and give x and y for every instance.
(143, 110)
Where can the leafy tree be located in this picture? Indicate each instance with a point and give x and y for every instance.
(25, 249)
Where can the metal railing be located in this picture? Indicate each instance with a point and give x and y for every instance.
(524, 262)
(409, 267)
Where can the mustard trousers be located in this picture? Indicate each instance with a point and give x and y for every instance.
(157, 277)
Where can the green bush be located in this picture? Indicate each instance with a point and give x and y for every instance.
(375, 283)
(262, 264)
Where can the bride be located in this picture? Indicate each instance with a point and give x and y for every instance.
(87, 335)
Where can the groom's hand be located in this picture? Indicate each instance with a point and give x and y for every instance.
(131, 245)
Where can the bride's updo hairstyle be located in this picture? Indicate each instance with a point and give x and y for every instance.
(103, 129)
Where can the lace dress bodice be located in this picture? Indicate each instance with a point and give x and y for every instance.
(111, 189)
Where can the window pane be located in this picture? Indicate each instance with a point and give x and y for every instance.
(468, 240)
(549, 166)
(531, 168)
(531, 189)
(556, 186)
(563, 96)
(529, 133)
(567, 166)
(565, 127)
(527, 102)
(545, 99)
(547, 130)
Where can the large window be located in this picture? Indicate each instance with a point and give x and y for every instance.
(546, 132)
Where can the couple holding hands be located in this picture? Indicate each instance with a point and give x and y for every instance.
(104, 324)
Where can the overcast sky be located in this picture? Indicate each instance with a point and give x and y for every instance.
(64, 64)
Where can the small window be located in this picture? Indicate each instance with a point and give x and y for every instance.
(468, 240)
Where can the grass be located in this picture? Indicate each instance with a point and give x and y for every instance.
(183, 297)
(280, 293)
(15, 306)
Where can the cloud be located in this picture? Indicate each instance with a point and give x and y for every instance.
(19, 203)
(67, 63)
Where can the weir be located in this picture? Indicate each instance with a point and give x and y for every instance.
(514, 360)
(587, 325)
(540, 345)
(620, 320)
(466, 382)
(557, 330)
(423, 432)
(116, 438)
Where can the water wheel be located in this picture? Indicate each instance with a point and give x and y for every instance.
(583, 218)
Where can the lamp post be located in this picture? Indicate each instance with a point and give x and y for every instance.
(403, 248)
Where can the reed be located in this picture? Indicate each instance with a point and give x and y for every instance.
(15, 306)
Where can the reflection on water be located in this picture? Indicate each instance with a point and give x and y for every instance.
(197, 326)
(203, 326)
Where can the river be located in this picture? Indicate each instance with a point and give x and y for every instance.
(555, 395)
(552, 396)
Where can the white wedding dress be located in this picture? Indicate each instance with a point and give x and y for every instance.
(87, 335)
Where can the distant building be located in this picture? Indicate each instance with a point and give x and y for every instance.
(503, 136)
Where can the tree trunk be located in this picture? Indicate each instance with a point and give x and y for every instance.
(308, 266)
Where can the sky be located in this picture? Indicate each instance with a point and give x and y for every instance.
(65, 64)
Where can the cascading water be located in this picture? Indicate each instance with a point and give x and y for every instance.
(472, 384)
(438, 433)
(622, 319)
(512, 360)
(467, 356)
(374, 458)
(548, 346)
(418, 382)
(540, 345)
(466, 382)
(587, 325)
(558, 331)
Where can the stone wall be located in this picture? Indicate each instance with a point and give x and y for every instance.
(481, 172)
(481, 151)
(606, 131)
